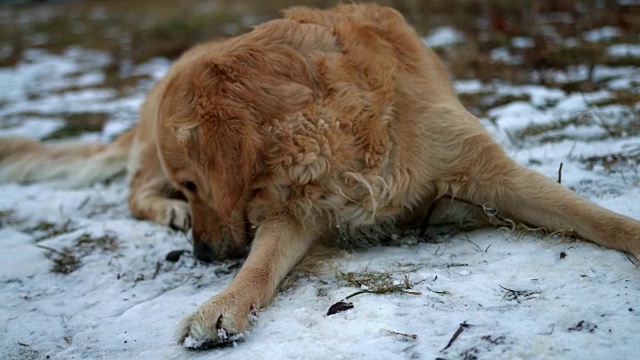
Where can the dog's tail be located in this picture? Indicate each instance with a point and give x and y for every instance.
(74, 165)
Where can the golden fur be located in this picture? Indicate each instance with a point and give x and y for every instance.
(324, 124)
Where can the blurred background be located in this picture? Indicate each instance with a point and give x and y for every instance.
(537, 34)
(513, 41)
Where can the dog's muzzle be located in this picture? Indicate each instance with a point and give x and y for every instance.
(224, 247)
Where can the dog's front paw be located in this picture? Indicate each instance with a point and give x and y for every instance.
(176, 215)
(220, 322)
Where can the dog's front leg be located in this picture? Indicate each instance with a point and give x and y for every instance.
(277, 247)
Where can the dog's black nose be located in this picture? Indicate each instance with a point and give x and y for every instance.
(203, 252)
(222, 248)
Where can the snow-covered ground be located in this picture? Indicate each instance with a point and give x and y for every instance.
(518, 296)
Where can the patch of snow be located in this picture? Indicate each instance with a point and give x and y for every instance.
(581, 101)
(89, 79)
(40, 83)
(90, 100)
(632, 82)
(17, 248)
(599, 73)
(468, 86)
(522, 42)
(608, 72)
(33, 128)
(601, 34)
(155, 67)
(504, 55)
(540, 96)
(518, 114)
(41, 72)
(624, 50)
(443, 36)
(114, 128)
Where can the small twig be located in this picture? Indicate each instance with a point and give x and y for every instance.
(560, 174)
(551, 332)
(357, 293)
(411, 336)
(436, 252)
(469, 240)
(463, 326)
(416, 293)
(84, 203)
(519, 294)
(158, 266)
(509, 290)
(23, 344)
(444, 292)
(448, 266)
(633, 262)
(382, 291)
(52, 250)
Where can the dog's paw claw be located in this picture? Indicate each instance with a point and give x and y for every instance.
(216, 325)
(253, 314)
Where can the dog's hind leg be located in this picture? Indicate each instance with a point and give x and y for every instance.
(488, 176)
(278, 246)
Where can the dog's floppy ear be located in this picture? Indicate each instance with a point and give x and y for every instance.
(231, 149)
(268, 97)
(234, 101)
(274, 84)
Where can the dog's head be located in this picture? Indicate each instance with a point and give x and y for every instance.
(211, 142)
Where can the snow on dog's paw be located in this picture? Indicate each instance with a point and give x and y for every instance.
(215, 325)
(223, 339)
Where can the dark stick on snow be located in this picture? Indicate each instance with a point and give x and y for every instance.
(560, 174)
(457, 333)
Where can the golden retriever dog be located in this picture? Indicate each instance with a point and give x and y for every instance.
(325, 124)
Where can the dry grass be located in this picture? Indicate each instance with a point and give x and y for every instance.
(69, 259)
(376, 282)
(45, 230)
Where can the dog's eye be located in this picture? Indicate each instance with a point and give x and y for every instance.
(189, 186)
